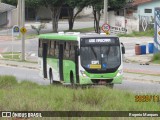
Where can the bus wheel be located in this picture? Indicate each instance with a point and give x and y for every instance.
(71, 78)
(51, 76)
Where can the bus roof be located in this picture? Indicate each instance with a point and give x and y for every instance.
(70, 37)
(56, 36)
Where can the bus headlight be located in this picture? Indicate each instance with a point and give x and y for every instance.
(83, 74)
(120, 72)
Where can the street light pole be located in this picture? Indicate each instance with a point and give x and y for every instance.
(21, 24)
(105, 11)
(23, 35)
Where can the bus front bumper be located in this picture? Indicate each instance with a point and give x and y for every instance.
(115, 80)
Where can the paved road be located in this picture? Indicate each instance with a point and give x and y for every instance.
(32, 75)
(136, 66)
(23, 74)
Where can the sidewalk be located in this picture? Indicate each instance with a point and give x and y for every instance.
(19, 64)
(142, 77)
(141, 59)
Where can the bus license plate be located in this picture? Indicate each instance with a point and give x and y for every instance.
(95, 66)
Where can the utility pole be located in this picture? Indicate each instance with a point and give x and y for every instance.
(23, 35)
(21, 24)
(106, 11)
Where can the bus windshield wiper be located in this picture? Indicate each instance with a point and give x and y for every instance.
(94, 52)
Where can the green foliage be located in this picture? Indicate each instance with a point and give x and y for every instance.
(53, 3)
(11, 2)
(34, 3)
(156, 56)
(28, 3)
(38, 28)
(8, 55)
(117, 4)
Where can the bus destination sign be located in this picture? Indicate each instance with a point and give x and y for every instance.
(99, 41)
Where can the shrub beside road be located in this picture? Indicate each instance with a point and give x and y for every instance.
(156, 58)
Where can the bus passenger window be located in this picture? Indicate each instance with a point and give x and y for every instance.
(52, 50)
(72, 52)
(66, 51)
(56, 49)
(40, 48)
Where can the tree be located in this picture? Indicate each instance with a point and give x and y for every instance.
(97, 7)
(72, 14)
(34, 4)
(117, 4)
(55, 7)
(11, 2)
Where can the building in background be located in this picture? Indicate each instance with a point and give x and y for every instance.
(8, 15)
(143, 10)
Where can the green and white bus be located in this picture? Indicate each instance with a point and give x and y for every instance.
(71, 58)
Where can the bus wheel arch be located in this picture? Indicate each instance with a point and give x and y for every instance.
(50, 76)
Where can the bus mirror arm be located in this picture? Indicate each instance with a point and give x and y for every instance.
(123, 48)
(77, 51)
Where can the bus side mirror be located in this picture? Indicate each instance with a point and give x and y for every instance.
(123, 49)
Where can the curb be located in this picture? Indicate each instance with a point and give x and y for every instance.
(22, 66)
(142, 72)
(142, 80)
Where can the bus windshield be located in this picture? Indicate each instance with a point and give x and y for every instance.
(100, 57)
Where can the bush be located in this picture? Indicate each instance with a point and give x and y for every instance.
(156, 57)
(38, 28)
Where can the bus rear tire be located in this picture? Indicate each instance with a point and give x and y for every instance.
(71, 78)
(50, 76)
(110, 85)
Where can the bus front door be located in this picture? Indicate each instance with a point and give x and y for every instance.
(61, 61)
(45, 49)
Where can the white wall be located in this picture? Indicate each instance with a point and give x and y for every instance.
(12, 18)
(149, 5)
(119, 21)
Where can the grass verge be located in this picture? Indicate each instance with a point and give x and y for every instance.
(156, 58)
(27, 96)
(148, 33)
(8, 55)
(28, 36)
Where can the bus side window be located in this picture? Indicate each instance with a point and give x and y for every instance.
(40, 48)
(66, 50)
(56, 49)
(49, 44)
(72, 51)
(52, 50)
